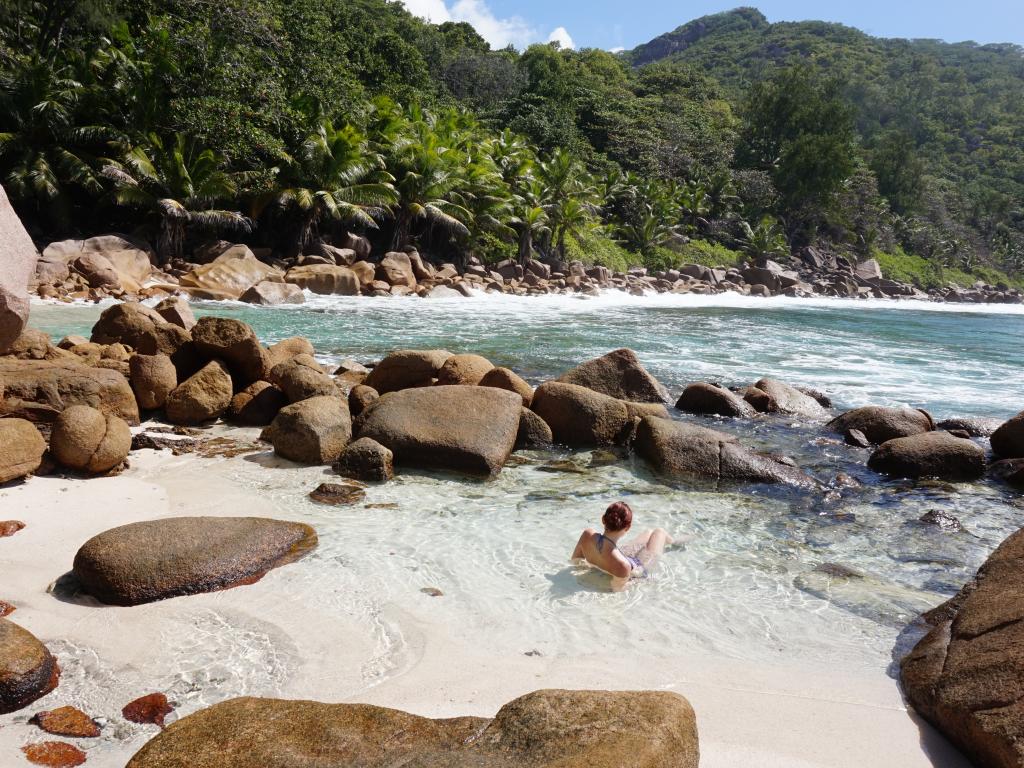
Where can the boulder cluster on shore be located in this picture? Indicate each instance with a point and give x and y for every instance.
(121, 267)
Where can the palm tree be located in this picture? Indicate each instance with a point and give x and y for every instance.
(695, 204)
(648, 231)
(179, 181)
(765, 240)
(570, 196)
(334, 177)
(42, 145)
(530, 217)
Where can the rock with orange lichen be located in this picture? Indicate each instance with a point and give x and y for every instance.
(150, 709)
(54, 754)
(157, 559)
(28, 670)
(67, 721)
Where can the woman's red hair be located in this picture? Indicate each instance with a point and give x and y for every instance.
(618, 516)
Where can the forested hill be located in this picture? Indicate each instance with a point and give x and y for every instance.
(284, 122)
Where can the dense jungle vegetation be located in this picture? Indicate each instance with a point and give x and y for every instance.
(283, 121)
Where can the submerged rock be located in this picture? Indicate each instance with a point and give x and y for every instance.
(67, 721)
(930, 454)
(129, 565)
(941, 520)
(966, 676)
(883, 602)
(367, 460)
(85, 439)
(618, 374)
(545, 729)
(28, 671)
(465, 429)
(54, 754)
(337, 494)
(1010, 471)
(972, 425)
(879, 424)
(150, 709)
(21, 449)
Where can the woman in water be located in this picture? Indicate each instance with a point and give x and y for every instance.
(620, 561)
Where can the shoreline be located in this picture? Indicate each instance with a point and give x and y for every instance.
(777, 714)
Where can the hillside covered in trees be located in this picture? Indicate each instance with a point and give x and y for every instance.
(281, 122)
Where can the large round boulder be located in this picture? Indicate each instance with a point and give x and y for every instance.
(879, 424)
(40, 390)
(503, 378)
(1008, 440)
(141, 328)
(544, 729)
(790, 400)
(618, 374)
(464, 369)
(407, 368)
(288, 349)
(361, 397)
(21, 449)
(581, 417)
(367, 460)
(229, 275)
(533, 432)
(301, 378)
(153, 378)
(270, 294)
(235, 343)
(157, 559)
(85, 439)
(324, 279)
(930, 454)
(257, 405)
(396, 269)
(678, 449)
(28, 671)
(313, 431)
(713, 400)
(18, 256)
(205, 396)
(966, 676)
(465, 429)
(97, 270)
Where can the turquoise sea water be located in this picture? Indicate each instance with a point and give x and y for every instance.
(760, 580)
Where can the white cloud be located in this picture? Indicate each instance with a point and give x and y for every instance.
(562, 37)
(617, 49)
(498, 32)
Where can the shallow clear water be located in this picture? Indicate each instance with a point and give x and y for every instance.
(750, 584)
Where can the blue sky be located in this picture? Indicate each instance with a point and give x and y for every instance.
(604, 24)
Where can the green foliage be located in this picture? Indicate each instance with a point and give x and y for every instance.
(595, 247)
(927, 274)
(701, 252)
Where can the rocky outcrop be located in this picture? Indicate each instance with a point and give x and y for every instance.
(503, 378)
(202, 397)
(581, 417)
(325, 279)
(678, 449)
(465, 429)
(39, 390)
(618, 374)
(146, 332)
(790, 400)
(1008, 440)
(930, 454)
(157, 559)
(270, 294)
(228, 276)
(85, 439)
(713, 399)
(544, 729)
(312, 431)
(153, 378)
(464, 369)
(257, 405)
(18, 257)
(28, 671)
(966, 676)
(879, 424)
(235, 343)
(367, 460)
(21, 449)
(407, 368)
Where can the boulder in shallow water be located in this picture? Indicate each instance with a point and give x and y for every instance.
(367, 460)
(40, 390)
(1010, 471)
(312, 431)
(930, 454)
(534, 432)
(680, 449)
(1008, 440)
(459, 428)
(86, 439)
(713, 399)
(790, 400)
(202, 397)
(257, 405)
(464, 369)
(966, 676)
(325, 279)
(618, 374)
(974, 426)
(337, 494)
(879, 424)
(503, 378)
(544, 729)
(581, 417)
(407, 368)
(157, 559)
(272, 294)
(21, 449)
(153, 378)
(28, 671)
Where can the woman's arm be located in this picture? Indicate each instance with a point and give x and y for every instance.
(577, 554)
